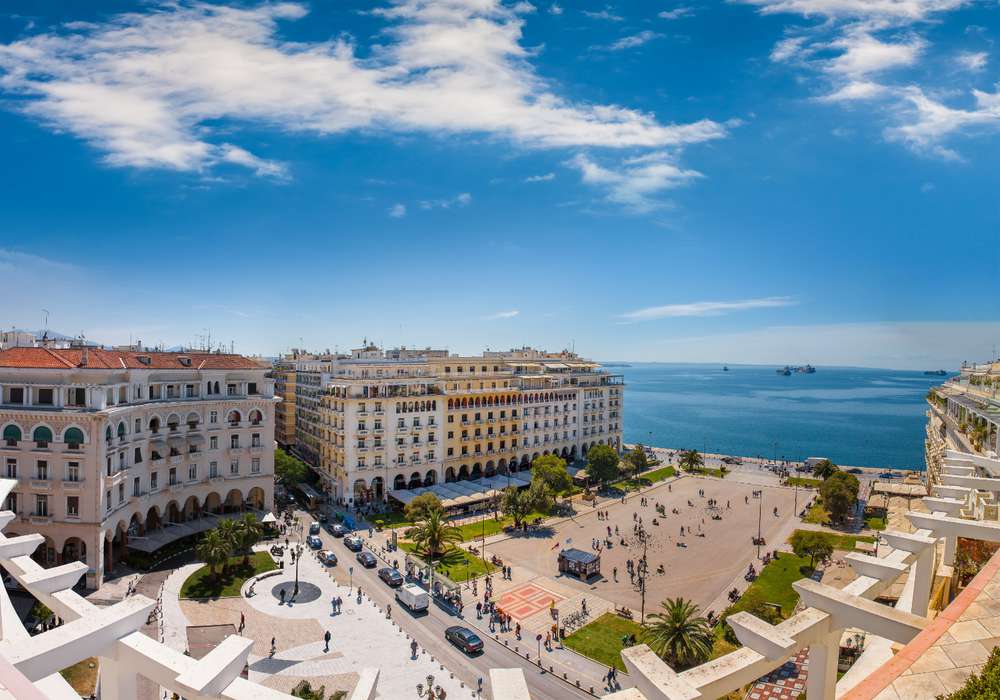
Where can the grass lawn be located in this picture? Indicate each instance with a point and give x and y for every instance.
(392, 519)
(457, 564)
(644, 480)
(706, 471)
(874, 523)
(474, 530)
(817, 514)
(601, 640)
(82, 676)
(201, 584)
(775, 581)
(845, 542)
(803, 482)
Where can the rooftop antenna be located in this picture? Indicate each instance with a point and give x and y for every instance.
(45, 319)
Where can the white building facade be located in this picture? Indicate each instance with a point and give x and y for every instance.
(119, 449)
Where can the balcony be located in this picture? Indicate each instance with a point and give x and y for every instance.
(40, 519)
(41, 484)
(72, 485)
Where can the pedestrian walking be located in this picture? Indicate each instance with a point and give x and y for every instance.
(326, 641)
(274, 648)
(282, 596)
(614, 572)
(243, 622)
(413, 649)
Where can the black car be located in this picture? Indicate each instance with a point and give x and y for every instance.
(353, 543)
(390, 576)
(465, 639)
(855, 470)
(314, 529)
(366, 559)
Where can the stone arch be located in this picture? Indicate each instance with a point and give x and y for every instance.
(525, 464)
(136, 527)
(213, 503)
(256, 417)
(153, 521)
(74, 549)
(45, 554)
(234, 501)
(415, 480)
(430, 478)
(74, 436)
(463, 472)
(399, 482)
(173, 422)
(502, 467)
(154, 424)
(256, 498)
(491, 469)
(192, 508)
(477, 471)
(193, 420)
(378, 488)
(449, 475)
(234, 417)
(41, 433)
(12, 433)
(172, 513)
(358, 493)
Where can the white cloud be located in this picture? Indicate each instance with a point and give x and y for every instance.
(632, 41)
(676, 13)
(502, 315)
(460, 200)
(972, 60)
(869, 37)
(150, 89)
(606, 14)
(555, 9)
(636, 184)
(705, 308)
(540, 178)
(397, 211)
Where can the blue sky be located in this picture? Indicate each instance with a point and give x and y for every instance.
(760, 181)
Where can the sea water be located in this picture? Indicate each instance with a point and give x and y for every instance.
(853, 416)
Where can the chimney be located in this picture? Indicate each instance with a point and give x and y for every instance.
(86, 356)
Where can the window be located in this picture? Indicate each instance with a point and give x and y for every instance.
(213, 442)
(41, 505)
(192, 472)
(234, 441)
(44, 397)
(72, 471)
(213, 470)
(234, 466)
(107, 500)
(400, 459)
(72, 506)
(11, 435)
(213, 417)
(451, 418)
(121, 493)
(11, 503)
(16, 395)
(135, 487)
(11, 468)
(42, 470)
(172, 476)
(42, 437)
(252, 388)
(137, 457)
(451, 451)
(154, 481)
(255, 440)
(255, 465)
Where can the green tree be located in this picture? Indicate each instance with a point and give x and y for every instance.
(978, 435)
(433, 535)
(679, 635)
(289, 470)
(550, 472)
(602, 464)
(214, 550)
(839, 493)
(636, 460)
(824, 469)
(985, 684)
(247, 534)
(227, 530)
(812, 544)
(520, 503)
(691, 460)
(418, 509)
(753, 602)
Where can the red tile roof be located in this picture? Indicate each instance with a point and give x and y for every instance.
(96, 358)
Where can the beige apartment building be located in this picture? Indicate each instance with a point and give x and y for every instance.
(376, 421)
(116, 449)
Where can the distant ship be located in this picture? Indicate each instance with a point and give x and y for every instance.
(806, 369)
(802, 369)
(935, 373)
(725, 368)
(786, 371)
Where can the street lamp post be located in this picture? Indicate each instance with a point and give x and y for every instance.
(760, 514)
(350, 573)
(298, 556)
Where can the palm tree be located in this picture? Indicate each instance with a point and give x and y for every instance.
(248, 532)
(680, 635)
(227, 530)
(978, 435)
(213, 549)
(433, 534)
(691, 460)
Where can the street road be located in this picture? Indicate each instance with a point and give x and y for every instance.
(429, 629)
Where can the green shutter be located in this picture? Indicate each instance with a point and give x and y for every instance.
(11, 432)
(42, 434)
(73, 436)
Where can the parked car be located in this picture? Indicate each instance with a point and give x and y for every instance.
(391, 577)
(323, 517)
(314, 541)
(338, 530)
(328, 557)
(803, 468)
(353, 543)
(314, 529)
(366, 559)
(464, 638)
(413, 597)
(855, 470)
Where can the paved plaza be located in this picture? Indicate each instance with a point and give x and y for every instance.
(702, 569)
(361, 635)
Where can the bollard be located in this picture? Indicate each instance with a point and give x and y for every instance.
(592, 690)
(577, 682)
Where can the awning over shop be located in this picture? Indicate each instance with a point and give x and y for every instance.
(462, 493)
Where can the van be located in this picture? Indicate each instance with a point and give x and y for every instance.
(413, 597)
